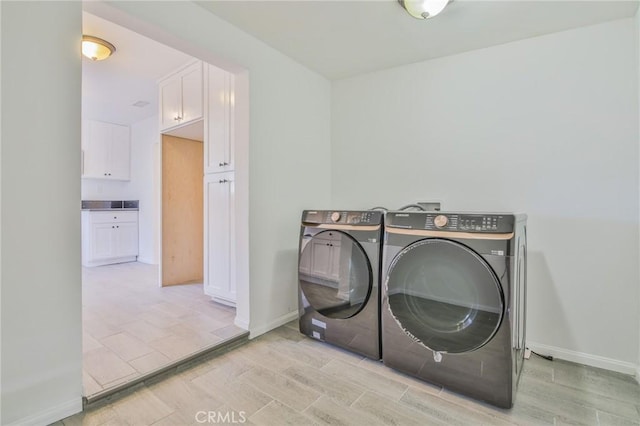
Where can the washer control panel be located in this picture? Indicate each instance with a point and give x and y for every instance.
(344, 217)
(453, 222)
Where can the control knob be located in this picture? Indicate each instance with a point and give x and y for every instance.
(335, 216)
(441, 221)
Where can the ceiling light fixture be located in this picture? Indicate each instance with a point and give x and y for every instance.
(96, 48)
(424, 9)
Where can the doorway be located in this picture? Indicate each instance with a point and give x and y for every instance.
(182, 211)
(132, 326)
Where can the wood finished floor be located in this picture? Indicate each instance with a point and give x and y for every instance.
(285, 378)
(132, 327)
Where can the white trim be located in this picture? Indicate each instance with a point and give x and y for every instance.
(51, 415)
(257, 331)
(638, 374)
(146, 261)
(586, 359)
(241, 322)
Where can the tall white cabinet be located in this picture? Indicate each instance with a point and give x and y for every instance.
(203, 93)
(219, 178)
(219, 152)
(219, 237)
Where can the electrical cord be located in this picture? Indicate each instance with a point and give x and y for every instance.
(413, 206)
(547, 357)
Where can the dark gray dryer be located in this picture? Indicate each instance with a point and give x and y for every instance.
(453, 302)
(338, 278)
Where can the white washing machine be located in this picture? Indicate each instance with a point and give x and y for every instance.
(338, 278)
(453, 300)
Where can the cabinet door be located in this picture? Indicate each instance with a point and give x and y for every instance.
(120, 153)
(219, 136)
(170, 102)
(322, 259)
(102, 241)
(96, 138)
(126, 239)
(304, 263)
(192, 93)
(334, 270)
(220, 244)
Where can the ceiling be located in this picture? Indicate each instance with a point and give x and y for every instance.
(111, 87)
(337, 39)
(340, 39)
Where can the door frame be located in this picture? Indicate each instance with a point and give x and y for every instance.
(241, 143)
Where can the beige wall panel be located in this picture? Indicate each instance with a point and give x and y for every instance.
(182, 221)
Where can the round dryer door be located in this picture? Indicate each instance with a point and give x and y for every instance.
(444, 295)
(335, 274)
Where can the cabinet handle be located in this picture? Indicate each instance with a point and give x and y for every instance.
(112, 226)
(177, 118)
(115, 217)
(118, 226)
(226, 164)
(223, 181)
(221, 164)
(105, 174)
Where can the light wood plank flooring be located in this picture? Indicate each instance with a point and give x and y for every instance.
(132, 327)
(284, 378)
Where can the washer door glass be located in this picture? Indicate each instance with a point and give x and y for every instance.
(444, 295)
(335, 274)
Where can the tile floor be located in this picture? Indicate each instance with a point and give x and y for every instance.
(284, 378)
(132, 327)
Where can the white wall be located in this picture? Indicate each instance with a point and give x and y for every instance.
(145, 151)
(546, 126)
(289, 159)
(289, 140)
(143, 186)
(0, 219)
(637, 23)
(41, 300)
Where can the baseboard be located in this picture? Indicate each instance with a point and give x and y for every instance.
(51, 415)
(586, 359)
(126, 259)
(241, 322)
(257, 331)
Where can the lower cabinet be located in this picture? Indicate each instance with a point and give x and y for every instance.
(219, 261)
(325, 256)
(109, 237)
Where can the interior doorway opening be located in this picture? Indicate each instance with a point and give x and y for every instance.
(132, 325)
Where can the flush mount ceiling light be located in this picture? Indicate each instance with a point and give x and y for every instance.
(96, 48)
(424, 9)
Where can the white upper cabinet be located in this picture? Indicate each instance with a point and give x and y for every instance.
(181, 97)
(219, 135)
(106, 151)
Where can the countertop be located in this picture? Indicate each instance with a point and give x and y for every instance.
(110, 205)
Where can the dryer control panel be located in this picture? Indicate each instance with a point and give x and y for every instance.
(494, 223)
(344, 217)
